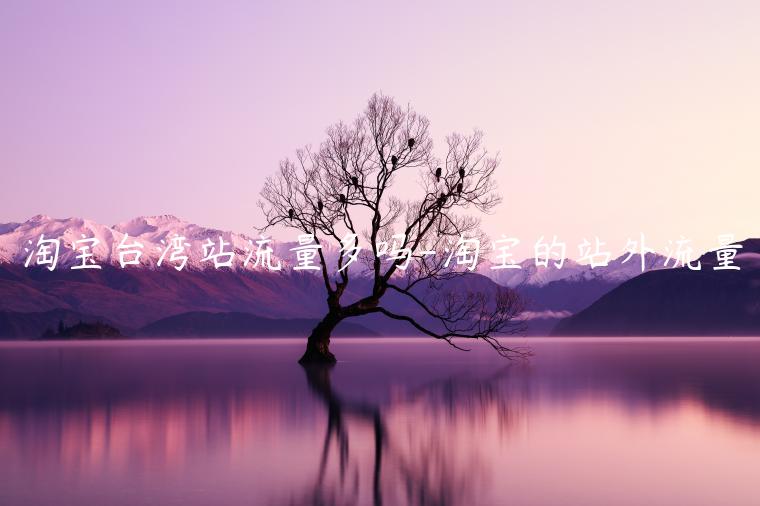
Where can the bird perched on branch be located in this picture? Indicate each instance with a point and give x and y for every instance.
(438, 174)
(410, 143)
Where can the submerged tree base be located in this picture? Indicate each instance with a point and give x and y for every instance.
(317, 352)
(318, 344)
(314, 355)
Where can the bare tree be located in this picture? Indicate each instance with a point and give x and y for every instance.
(342, 191)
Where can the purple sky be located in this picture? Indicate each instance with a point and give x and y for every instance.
(612, 118)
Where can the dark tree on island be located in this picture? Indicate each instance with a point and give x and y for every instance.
(343, 189)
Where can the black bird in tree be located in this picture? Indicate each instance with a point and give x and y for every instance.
(394, 160)
(461, 172)
(291, 212)
(426, 222)
(342, 198)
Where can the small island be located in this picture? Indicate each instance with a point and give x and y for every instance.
(82, 330)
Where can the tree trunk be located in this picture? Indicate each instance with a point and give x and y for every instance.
(318, 344)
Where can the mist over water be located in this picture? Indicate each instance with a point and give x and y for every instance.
(397, 421)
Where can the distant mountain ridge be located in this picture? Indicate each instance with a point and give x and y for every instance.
(205, 324)
(679, 302)
(136, 296)
(29, 325)
(132, 299)
(155, 233)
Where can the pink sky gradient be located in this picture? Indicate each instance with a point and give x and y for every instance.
(612, 118)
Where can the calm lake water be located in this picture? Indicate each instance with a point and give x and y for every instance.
(397, 421)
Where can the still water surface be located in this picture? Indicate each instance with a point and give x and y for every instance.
(397, 421)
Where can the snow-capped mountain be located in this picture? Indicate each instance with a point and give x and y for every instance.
(155, 234)
(137, 295)
(529, 274)
(159, 234)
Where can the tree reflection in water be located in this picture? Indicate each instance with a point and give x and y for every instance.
(420, 465)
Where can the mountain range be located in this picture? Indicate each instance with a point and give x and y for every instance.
(134, 297)
(156, 233)
(679, 302)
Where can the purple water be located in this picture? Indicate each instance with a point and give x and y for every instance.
(397, 421)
